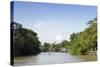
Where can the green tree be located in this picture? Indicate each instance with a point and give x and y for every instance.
(45, 47)
(84, 41)
(25, 41)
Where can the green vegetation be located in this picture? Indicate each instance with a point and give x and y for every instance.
(54, 47)
(25, 41)
(81, 43)
(45, 47)
(85, 42)
(48, 47)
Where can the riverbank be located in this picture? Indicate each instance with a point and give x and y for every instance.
(88, 58)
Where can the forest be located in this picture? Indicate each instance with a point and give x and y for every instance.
(26, 41)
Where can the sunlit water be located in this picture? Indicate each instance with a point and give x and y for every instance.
(46, 58)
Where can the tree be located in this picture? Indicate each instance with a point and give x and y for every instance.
(25, 41)
(85, 41)
(45, 47)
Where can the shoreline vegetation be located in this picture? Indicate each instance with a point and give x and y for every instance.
(82, 44)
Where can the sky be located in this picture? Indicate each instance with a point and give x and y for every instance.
(53, 22)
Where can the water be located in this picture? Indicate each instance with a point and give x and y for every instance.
(46, 58)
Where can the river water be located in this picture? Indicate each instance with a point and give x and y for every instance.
(46, 58)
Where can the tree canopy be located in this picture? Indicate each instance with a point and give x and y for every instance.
(85, 41)
(25, 41)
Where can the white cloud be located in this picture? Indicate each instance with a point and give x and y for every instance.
(59, 38)
(51, 32)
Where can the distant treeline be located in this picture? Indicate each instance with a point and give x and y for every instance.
(53, 47)
(25, 41)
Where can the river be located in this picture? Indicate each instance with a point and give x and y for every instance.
(46, 58)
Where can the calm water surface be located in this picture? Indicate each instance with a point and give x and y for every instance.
(46, 58)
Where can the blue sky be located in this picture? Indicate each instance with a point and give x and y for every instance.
(53, 22)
